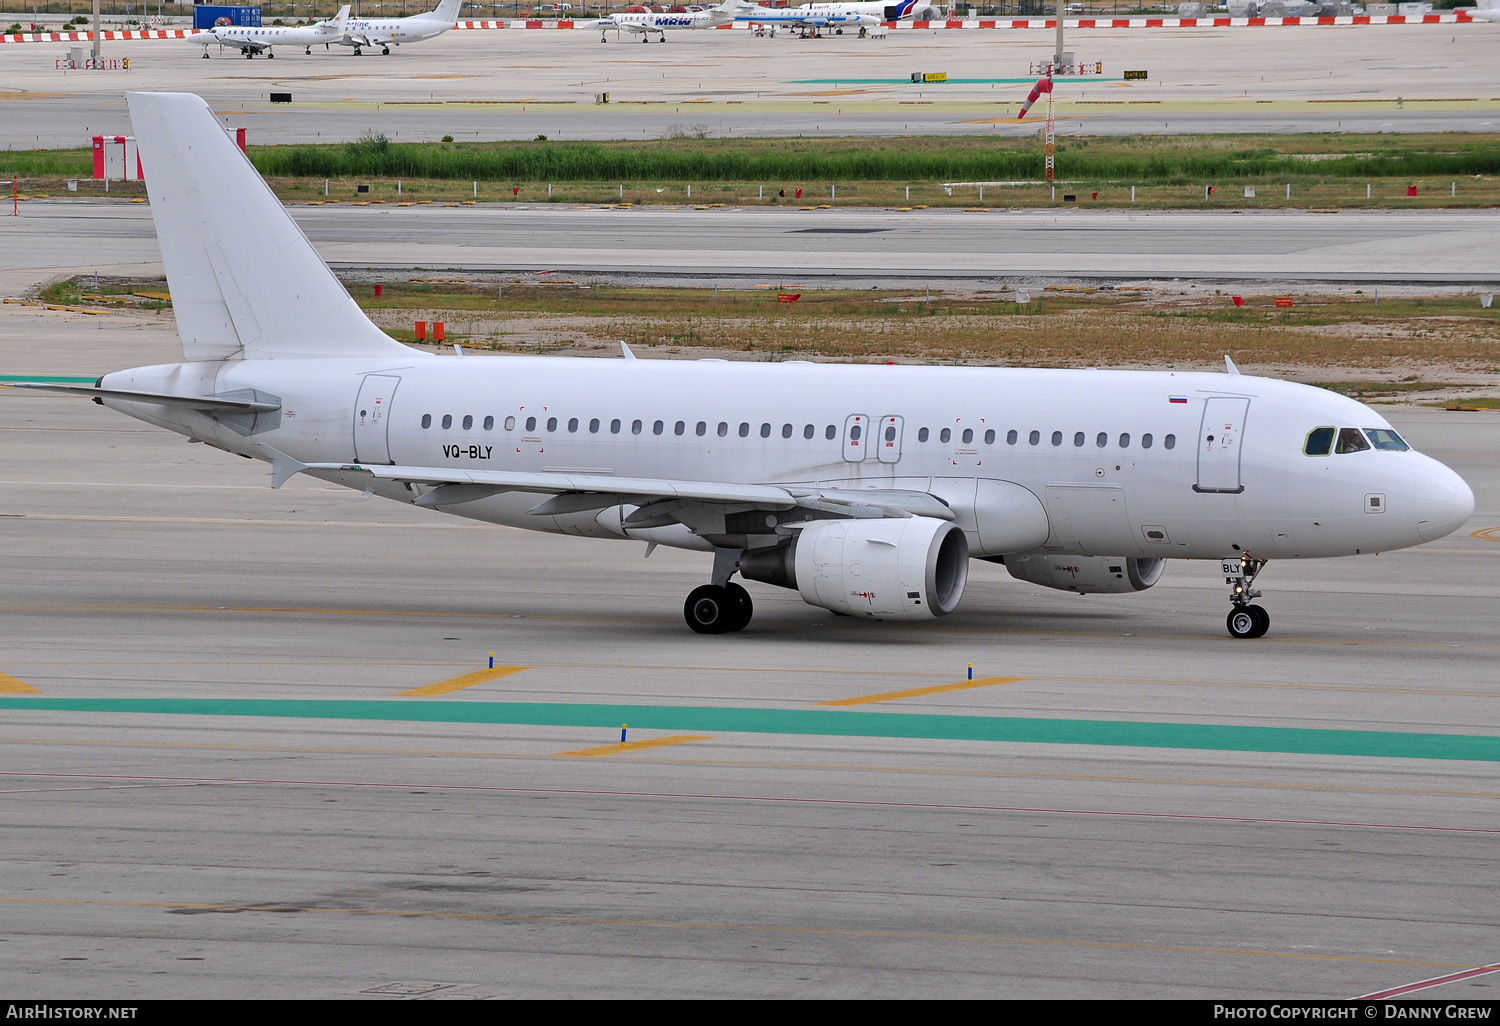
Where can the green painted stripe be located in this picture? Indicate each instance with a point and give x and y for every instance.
(59, 379)
(1217, 737)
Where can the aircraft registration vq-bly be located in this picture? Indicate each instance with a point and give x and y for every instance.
(866, 488)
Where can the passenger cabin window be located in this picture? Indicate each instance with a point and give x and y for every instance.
(594, 426)
(427, 420)
(1319, 442)
(830, 432)
(1351, 440)
(1102, 440)
(657, 427)
(572, 424)
(808, 431)
(1057, 438)
(614, 427)
(744, 429)
(1169, 442)
(679, 427)
(510, 423)
(551, 423)
(530, 423)
(945, 434)
(1077, 439)
(1035, 438)
(786, 431)
(1011, 437)
(968, 435)
(921, 434)
(635, 427)
(468, 421)
(701, 429)
(1146, 440)
(723, 429)
(447, 420)
(489, 423)
(1385, 438)
(1125, 440)
(989, 437)
(765, 431)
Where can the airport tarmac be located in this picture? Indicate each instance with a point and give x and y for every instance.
(217, 781)
(519, 84)
(852, 247)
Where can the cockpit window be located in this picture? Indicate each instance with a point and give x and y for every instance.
(1350, 440)
(1385, 438)
(1319, 441)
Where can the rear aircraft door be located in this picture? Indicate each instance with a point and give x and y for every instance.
(856, 442)
(372, 411)
(1219, 444)
(888, 439)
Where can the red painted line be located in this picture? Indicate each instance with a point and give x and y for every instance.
(768, 799)
(1436, 981)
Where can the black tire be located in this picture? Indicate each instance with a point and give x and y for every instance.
(740, 607)
(708, 610)
(1242, 622)
(1262, 621)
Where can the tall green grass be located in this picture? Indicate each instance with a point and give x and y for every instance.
(990, 159)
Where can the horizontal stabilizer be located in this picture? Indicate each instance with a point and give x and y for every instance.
(205, 403)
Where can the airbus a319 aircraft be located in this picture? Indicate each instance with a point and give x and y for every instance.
(257, 39)
(812, 17)
(867, 489)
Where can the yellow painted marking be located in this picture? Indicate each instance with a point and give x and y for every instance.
(10, 686)
(1488, 534)
(468, 680)
(635, 746)
(891, 696)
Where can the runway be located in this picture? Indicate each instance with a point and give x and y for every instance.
(517, 85)
(854, 246)
(1126, 804)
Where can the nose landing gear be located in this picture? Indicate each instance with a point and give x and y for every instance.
(1245, 620)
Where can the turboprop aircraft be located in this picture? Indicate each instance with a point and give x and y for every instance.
(813, 18)
(388, 32)
(867, 489)
(643, 23)
(251, 41)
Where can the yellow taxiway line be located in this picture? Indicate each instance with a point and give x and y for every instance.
(468, 680)
(891, 696)
(635, 746)
(10, 686)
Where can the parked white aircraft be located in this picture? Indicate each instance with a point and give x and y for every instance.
(645, 23)
(808, 21)
(866, 488)
(388, 32)
(251, 41)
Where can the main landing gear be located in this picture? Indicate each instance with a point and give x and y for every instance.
(722, 606)
(1245, 620)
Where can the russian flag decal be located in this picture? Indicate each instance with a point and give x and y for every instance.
(1177, 399)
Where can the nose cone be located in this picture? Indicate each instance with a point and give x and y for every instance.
(1444, 503)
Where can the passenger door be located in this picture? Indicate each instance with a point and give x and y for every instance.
(372, 411)
(1220, 439)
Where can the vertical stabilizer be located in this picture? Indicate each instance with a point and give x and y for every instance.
(447, 11)
(245, 281)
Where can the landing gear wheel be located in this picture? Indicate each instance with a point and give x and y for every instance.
(1248, 622)
(269, 55)
(709, 609)
(740, 606)
(385, 51)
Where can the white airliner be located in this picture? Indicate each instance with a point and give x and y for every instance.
(646, 22)
(867, 489)
(838, 15)
(251, 41)
(388, 32)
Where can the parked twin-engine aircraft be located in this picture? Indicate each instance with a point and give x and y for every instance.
(643, 23)
(866, 488)
(388, 32)
(812, 17)
(251, 41)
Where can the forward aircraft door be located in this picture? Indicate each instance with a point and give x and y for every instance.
(1219, 440)
(372, 412)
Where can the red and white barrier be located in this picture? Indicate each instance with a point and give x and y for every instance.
(1451, 18)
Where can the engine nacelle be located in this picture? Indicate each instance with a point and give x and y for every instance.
(1104, 575)
(907, 568)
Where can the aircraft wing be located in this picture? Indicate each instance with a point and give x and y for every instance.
(243, 43)
(660, 498)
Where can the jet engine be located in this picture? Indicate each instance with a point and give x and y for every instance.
(907, 568)
(1103, 575)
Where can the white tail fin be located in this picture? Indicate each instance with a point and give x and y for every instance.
(245, 281)
(448, 11)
